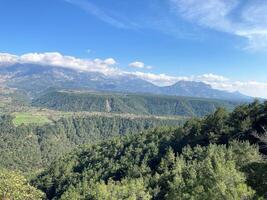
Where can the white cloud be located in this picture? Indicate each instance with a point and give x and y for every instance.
(211, 78)
(6, 58)
(250, 88)
(211, 13)
(106, 66)
(97, 12)
(137, 64)
(165, 80)
(110, 61)
(58, 60)
(158, 79)
(247, 19)
(140, 65)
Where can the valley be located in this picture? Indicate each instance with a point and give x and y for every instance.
(125, 141)
(133, 100)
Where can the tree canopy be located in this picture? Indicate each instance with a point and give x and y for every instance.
(14, 186)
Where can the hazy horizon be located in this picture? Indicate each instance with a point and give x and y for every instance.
(221, 43)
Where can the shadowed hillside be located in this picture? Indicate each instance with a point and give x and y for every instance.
(130, 103)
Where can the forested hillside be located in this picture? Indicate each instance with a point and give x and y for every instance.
(133, 99)
(201, 160)
(130, 103)
(12, 99)
(31, 147)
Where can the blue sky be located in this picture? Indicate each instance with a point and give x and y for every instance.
(221, 42)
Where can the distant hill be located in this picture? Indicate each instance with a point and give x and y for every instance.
(31, 147)
(200, 89)
(142, 104)
(38, 78)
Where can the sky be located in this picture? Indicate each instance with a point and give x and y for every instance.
(220, 42)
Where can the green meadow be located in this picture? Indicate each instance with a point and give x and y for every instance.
(29, 118)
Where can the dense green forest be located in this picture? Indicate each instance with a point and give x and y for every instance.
(28, 147)
(218, 157)
(12, 99)
(116, 156)
(130, 103)
(133, 99)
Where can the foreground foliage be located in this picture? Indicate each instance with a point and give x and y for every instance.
(201, 160)
(220, 156)
(15, 186)
(213, 172)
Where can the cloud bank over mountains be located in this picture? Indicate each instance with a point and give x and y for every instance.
(109, 68)
(56, 59)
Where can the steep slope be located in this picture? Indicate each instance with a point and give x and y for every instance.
(199, 89)
(37, 78)
(32, 147)
(162, 167)
(130, 103)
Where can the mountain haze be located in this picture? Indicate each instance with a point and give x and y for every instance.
(37, 78)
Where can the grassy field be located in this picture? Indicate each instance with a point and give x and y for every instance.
(30, 118)
(12, 102)
(42, 116)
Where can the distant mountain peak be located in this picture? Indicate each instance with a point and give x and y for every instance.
(38, 78)
(184, 83)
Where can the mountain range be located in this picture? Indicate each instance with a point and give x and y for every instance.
(36, 79)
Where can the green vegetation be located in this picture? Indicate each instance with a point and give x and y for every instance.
(130, 103)
(15, 186)
(29, 118)
(213, 172)
(29, 147)
(12, 100)
(113, 146)
(40, 116)
(201, 160)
